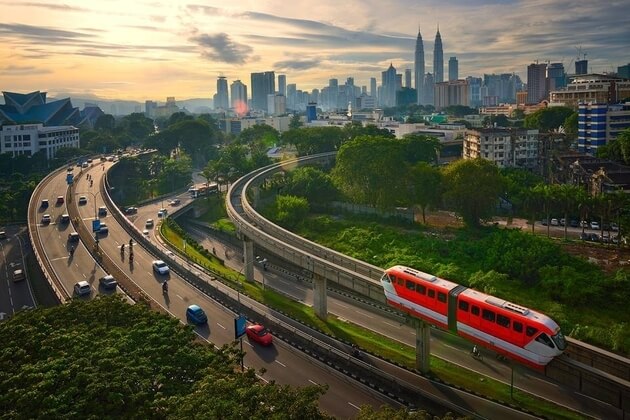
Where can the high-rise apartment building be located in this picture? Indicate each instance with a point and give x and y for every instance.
(556, 77)
(453, 69)
(408, 78)
(263, 84)
(504, 147)
(581, 67)
(624, 71)
(429, 84)
(389, 87)
(474, 91)
(373, 87)
(221, 99)
(238, 94)
(599, 124)
(451, 93)
(282, 84)
(419, 68)
(438, 58)
(536, 82)
(500, 88)
(291, 96)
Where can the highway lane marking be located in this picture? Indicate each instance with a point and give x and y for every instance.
(249, 344)
(313, 382)
(60, 258)
(340, 304)
(262, 379)
(180, 297)
(364, 314)
(221, 326)
(451, 347)
(280, 363)
(391, 325)
(355, 406)
(84, 276)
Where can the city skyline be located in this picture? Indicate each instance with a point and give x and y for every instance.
(151, 50)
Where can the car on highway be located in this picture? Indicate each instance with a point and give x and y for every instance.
(175, 202)
(160, 267)
(46, 218)
(65, 218)
(18, 275)
(103, 228)
(149, 223)
(44, 204)
(145, 232)
(3, 234)
(82, 200)
(162, 213)
(595, 225)
(82, 288)
(60, 200)
(84, 165)
(73, 237)
(196, 315)
(102, 211)
(131, 210)
(108, 282)
(259, 334)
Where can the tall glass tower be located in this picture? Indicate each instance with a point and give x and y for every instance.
(438, 59)
(419, 68)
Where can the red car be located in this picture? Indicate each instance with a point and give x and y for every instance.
(259, 334)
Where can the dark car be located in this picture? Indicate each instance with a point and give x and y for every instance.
(594, 237)
(544, 222)
(585, 236)
(73, 237)
(259, 334)
(573, 223)
(131, 210)
(196, 315)
(44, 204)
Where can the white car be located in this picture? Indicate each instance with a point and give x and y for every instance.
(149, 223)
(82, 288)
(160, 267)
(595, 225)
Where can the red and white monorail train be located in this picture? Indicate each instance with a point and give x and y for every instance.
(519, 333)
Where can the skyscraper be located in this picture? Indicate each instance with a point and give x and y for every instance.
(556, 77)
(263, 84)
(419, 68)
(389, 87)
(238, 93)
(292, 96)
(536, 82)
(282, 84)
(221, 100)
(438, 59)
(373, 87)
(453, 69)
(408, 78)
(429, 85)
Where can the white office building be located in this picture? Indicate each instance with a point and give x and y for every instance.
(28, 139)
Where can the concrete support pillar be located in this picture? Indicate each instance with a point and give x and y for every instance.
(319, 296)
(255, 196)
(248, 259)
(423, 345)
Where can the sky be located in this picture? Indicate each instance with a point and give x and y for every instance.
(139, 50)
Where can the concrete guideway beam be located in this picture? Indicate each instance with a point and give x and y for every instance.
(423, 345)
(320, 304)
(248, 258)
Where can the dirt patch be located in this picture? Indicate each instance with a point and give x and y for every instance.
(609, 258)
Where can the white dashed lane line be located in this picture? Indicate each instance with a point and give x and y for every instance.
(280, 363)
(355, 406)
(313, 382)
(221, 326)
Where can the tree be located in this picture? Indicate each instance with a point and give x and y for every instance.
(107, 359)
(518, 114)
(548, 119)
(178, 117)
(310, 183)
(421, 148)
(459, 110)
(356, 129)
(311, 140)
(105, 122)
(546, 198)
(137, 126)
(372, 170)
(500, 120)
(259, 132)
(425, 185)
(290, 210)
(295, 122)
(567, 197)
(623, 139)
(473, 188)
(571, 126)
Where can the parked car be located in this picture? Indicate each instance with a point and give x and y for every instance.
(614, 227)
(46, 219)
(259, 334)
(196, 315)
(160, 267)
(573, 223)
(60, 200)
(82, 288)
(554, 222)
(585, 236)
(102, 211)
(606, 238)
(544, 222)
(594, 237)
(82, 200)
(108, 282)
(595, 225)
(44, 204)
(562, 222)
(3, 234)
(583, 223)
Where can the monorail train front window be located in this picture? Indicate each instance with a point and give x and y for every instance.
(386, 278)
(544, 339)
(560, 341)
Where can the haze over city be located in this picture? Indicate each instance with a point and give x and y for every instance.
(153, 49)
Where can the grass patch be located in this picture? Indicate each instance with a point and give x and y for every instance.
(368, 340)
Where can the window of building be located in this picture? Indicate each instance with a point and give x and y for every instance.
(463, 305)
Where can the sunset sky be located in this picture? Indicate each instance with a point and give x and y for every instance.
(152, 49)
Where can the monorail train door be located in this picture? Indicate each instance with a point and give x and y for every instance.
(452, 307)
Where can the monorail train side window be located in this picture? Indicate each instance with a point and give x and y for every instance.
(517, 326)
(503, 321)
(463, 305)
(431, 293)
(544, 338)
(421, 289)
(488, 315)
(529, 331)
(400, 281)
(474, 310)
(442, 297)
(411, 285)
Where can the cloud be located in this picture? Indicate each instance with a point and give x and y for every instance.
(220, 47)
(23, 70)
(51, 6)
(207, 10)
(298, 64)
(40, 32)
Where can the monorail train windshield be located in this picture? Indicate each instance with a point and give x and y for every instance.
(560, 341)
(386, 278)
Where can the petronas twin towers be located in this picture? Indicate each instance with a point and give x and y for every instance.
(425, 81)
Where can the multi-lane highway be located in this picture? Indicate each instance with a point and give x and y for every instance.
(15, 289)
